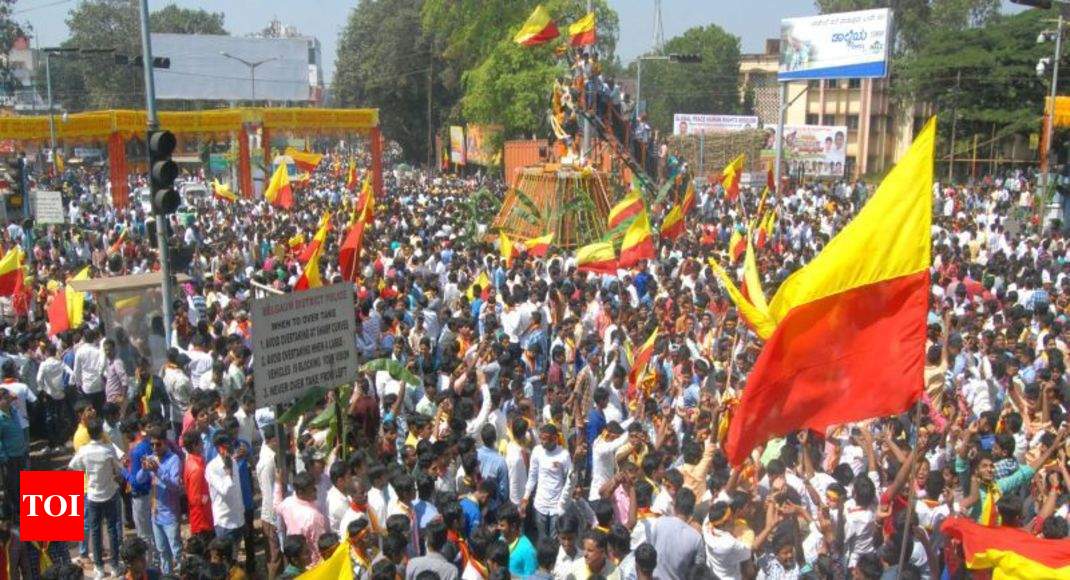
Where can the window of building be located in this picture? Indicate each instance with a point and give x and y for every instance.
(811, 118)
(832, 83)
(852, 122)
(854, 83)
(814, 84)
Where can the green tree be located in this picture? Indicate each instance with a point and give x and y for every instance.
(96, 81)
(385, 61)
(710, 86)
(9, 32)
(490, 78)
(993, 67)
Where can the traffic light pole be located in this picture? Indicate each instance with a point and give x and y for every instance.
(161, 219)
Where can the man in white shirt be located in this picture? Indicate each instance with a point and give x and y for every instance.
(178, 386)
(517, 457)
(604, 457)
(724, 552)
(101, 465)
(50, 383)
(22, 394)
(224, 487)
(265, 479)
(338, 494)
(200, 361)
(88, 372)
(550, 478)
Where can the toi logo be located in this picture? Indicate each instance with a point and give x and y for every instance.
(52, 506)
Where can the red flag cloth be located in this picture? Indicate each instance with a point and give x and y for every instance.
(876, 336)
(349, 253)
(58, 321)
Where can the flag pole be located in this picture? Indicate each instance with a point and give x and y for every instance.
(908, 538)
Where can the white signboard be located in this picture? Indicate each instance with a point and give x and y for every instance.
(303, 340)
(834, 46)
(47, 207)
(687, 124)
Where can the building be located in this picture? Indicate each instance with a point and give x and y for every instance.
(276, 29)
(879, 129)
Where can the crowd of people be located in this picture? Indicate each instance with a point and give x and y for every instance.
(526, 448)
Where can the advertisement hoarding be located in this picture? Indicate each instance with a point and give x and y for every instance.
(200, 70)
(693, 124)
(811, 150)
(457, 145)
(833, 46)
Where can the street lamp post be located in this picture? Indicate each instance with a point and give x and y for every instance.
(252, 66)
(639, 77)
(48, 84)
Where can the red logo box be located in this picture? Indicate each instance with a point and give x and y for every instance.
(52, 506)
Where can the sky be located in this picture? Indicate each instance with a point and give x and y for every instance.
(753, 21)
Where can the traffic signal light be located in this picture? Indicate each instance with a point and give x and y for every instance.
(688, 57)
(17, 171)
(1044, 4)
(162, 172)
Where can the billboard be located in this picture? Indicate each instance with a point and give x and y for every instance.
(457, 145)
(685, 124)
(811, 150)
(833, 46)
(479, 144)
(275, 69)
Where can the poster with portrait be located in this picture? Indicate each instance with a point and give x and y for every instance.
(479, 144)
(457, 154)
(835, 46)
(810, 150)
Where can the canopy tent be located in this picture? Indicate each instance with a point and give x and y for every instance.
(117, 126)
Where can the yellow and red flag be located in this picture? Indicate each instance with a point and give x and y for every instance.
(625, 209)
(58, 321)
(598, 257)
(483, 281)
(673, 224)
(737, 244)
(117, 245)
(1010, 553)
(505, 246)
(538, 29)
(304, 160)
(338, 567)
(689, 198)
(349, 253)
(640, 362)
(862, 302)
(582, 32)
(11, 272)
(278, 192)
(539, 246)
(318, 239)
(223, 192)
(351, 176)
(730, 178)
(365, 209)
(638, 242)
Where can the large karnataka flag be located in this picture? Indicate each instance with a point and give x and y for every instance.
(278, 191)
(638, 242)
(304, 160)
(1010, 553)
(349, 252)
(730, 177)
(582, 32)
(538, 247)
(538, 29)
(599, 257)
(849, 338)
(625, 209)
